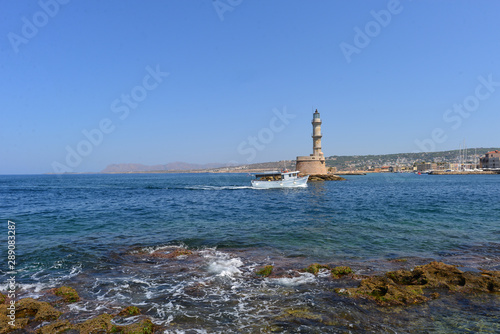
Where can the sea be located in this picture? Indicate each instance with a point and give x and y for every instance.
(109, 237)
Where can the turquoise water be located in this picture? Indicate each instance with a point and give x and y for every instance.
(84, 229)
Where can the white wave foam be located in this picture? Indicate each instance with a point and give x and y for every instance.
(218, 187)
(76, 307)
(225, 267)
(304, 278)
(151, 250)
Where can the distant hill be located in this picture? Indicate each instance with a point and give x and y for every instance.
(173, 166)
(343, 162)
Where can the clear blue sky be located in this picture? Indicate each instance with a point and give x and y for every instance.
(68, 67)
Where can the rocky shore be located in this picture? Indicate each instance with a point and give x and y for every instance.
(49, 317)
(52, 312)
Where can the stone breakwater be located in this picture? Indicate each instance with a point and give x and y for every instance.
(486, 172)
(325, 177)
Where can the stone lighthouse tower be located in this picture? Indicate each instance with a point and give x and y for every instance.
(315, 163)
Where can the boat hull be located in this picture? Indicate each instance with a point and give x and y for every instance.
(299, 182)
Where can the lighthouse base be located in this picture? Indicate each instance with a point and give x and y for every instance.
(309, 165)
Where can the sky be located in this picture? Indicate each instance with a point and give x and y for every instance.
(85, 84)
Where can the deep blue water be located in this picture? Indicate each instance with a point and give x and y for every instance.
(372, 216)
(71, 225)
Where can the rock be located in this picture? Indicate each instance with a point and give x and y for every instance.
(302, 315)
(265, 271)
(4, 321)
(68, 294)
(99, 324)
(144, 326)
(325, 177)
(55, 328)
(129, 311)
(340, 271)
(385, 292)
(315, 267)
(402, 287)
(173, 254)
(40, 311)
(3, 298)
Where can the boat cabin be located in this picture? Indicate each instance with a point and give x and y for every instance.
(276, 176)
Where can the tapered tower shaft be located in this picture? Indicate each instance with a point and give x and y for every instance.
(316, 123)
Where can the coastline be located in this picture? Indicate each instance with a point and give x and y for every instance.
(274, 293)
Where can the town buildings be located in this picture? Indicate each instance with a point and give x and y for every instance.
(491, 160)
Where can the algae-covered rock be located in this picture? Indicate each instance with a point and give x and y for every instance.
(385, 292)
(99, 324)
(3, 298)
(173, 254)
(144, 326)
(39, 311)
(5, 327)
(315, 268)
(340, 271)
(403, 287)
(302, 315)
(265, 271)
(103, 324)
(129, 311)
(445, 276)
(68, 294)
(55, 328)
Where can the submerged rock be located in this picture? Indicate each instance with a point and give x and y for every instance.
(173, 254)
(302, 315)
(55, 328)
(403, 287)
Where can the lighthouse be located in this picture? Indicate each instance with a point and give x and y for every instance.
(313, 164)
(316, 123)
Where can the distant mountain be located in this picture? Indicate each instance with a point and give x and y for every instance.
(173, 166)
(345, 162)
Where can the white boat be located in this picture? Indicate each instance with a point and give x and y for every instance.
(279, 179)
